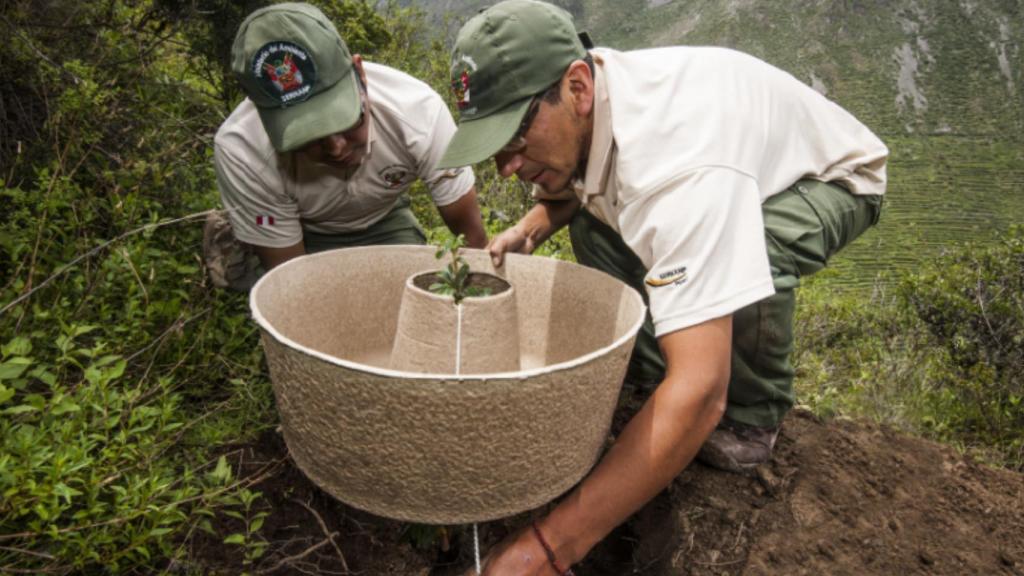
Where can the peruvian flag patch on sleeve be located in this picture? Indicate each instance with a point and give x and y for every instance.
(264, 220)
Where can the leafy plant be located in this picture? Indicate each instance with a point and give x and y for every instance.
(453, 279)
(253, 546)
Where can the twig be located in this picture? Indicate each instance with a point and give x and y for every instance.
(131, 266)
(54, 570)
(330, 535)
(737, 561)
(739, 535)
(97, 249)
(288, 560)
(178, 324)
(29, 552)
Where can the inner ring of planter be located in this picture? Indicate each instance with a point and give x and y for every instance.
(480, 335)
(436, 446)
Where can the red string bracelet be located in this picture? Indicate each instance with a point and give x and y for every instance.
(551, 554)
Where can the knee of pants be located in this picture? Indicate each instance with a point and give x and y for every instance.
(763, 336)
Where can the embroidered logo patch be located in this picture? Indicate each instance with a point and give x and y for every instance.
(285, 71)
(460, 82)
(460, 87)
(675, 276)
(264, 220)
(394, 175)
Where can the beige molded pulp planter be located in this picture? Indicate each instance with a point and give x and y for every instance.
(436, 447)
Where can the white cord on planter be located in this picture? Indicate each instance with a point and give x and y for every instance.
(476, 548)
(458, 369)
(458, 344)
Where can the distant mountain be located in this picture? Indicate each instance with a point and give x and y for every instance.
(908, 66)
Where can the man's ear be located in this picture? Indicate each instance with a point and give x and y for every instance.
(357, 61)
(581, 87)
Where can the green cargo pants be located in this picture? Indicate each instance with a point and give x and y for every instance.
(399, 226)
(804, 226)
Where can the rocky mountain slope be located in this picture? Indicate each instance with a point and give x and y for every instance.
(917, 66)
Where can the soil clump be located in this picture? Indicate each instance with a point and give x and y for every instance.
(840, 497)
(490, 283)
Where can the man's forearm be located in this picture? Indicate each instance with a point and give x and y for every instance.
(546, 218)
(463, 217)
(652, 450)
(271, 257)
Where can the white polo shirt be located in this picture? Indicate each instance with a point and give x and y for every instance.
(687, 143)
(271, 197)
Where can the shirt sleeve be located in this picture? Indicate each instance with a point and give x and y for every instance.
(701, 238)
(446, 186)
(261, 213)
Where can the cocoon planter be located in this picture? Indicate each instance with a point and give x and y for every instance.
(442, 448)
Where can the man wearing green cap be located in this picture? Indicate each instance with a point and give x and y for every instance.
(703, 177)
(324, 149)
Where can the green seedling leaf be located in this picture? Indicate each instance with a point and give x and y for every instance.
(14, 368)
(65, 406)
(222, 472)
(19, 346)
(235, 539)
(5, 393)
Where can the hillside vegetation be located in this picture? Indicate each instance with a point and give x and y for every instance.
(941, 82)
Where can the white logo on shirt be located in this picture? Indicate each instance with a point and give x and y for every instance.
(674, 276)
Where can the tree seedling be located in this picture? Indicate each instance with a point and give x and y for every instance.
(453, 279)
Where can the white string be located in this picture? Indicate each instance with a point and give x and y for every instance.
(476, 547)
(458, 368)
(458, 344)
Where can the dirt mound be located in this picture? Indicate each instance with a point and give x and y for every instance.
(838, 498)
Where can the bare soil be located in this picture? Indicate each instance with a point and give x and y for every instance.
(494, 285)
(840, 497)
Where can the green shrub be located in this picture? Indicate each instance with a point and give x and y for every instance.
(864, 355)
(972, 300)
(123, 376)
(941, 356)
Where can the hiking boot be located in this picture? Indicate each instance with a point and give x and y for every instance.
(230, 263)
(739, 448)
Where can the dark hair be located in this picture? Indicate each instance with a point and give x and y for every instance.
(552, 95)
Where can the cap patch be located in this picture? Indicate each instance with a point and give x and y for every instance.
(285, 71)
(460, 83)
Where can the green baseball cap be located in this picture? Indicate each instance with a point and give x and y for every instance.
(294, 66)
(503, 57)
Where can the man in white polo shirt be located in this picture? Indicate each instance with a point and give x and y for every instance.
(324, 149)
(704, 177)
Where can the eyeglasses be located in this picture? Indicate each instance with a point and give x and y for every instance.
(518, 140)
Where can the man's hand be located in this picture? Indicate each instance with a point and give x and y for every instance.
(511, 240)
(519, 554)
(543, 220)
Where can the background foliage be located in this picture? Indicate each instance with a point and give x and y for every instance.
(126, 382)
